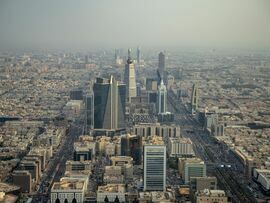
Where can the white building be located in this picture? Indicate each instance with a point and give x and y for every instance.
(130, 78)
(152, 129)
(154, 167)
(162, 98)
(111, 192)
(69, 188)
(180, 147)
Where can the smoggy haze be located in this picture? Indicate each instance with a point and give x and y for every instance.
(83, 24)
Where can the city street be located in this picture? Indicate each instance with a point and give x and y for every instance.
(220, 163)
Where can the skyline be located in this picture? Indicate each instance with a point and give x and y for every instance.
(93, 24)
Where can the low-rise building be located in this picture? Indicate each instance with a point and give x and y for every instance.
(191, 167)
(180, 147)
(69, 189)
(212, 196)
(111, 192)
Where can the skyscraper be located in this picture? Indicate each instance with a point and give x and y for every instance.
(194, 98)
(161, 66)
(109, 104)
(162, 98)
(130, 78)
(89, 106)
(86, 61)
(138, 55)
(131, 145)
(154, 167)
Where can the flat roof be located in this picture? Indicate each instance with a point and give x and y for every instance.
(112, 188)
(69, 184)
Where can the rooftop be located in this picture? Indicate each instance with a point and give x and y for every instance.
(112, 188)
(69, 184)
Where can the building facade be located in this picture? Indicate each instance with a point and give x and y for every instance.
(154, 168)
(162, 98)
(109, 104)
(130, 78)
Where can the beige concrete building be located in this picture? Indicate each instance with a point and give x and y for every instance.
(111, 192)
(211, 196)
(69, 188)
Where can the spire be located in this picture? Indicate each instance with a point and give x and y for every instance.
(162, 83)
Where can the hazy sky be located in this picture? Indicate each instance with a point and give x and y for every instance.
(84, 24)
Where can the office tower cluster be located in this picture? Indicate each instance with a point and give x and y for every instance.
(125, 132)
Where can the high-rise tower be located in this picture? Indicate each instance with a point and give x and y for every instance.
(154, 158)
(161, 67)
(162, 98)
(109, 104)
(130, 78)
(138, 55)
(131, 145)
(194, 98)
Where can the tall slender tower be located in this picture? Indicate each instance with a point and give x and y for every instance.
(130, 78)
(138, 55)
(162, 98)
(161, 67)
(194, 98)
(109, 104)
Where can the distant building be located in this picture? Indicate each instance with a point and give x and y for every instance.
(212, 196)
(131, 145)
(130, 78)
(83, 151)
(23, 179)
(68, 189)
(86, 60)
(154, 167)
(89, 107)
(180, 147)
(151, 129)
(138, 55)
(217, 130)
(121, 160)
(30, 166)
(201, 183)
(152, 97)
(162, 98)
(161, 67)
(79, 165)
(167, 117)
(111, 193)
(109, 104)
(262, 176)
(191, 167)
(76, 94)
(151, 84)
